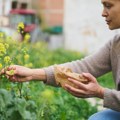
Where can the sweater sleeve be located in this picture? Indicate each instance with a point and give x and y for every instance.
(97, 64)
(112, 99)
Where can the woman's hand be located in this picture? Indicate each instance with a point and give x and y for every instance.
(91, 89)
(24, 74)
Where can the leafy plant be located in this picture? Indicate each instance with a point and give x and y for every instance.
(14, 108)
(34, 100)
(14, 104)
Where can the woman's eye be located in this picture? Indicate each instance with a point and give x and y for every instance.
(108, 6)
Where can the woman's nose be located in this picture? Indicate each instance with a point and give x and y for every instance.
(104, 13)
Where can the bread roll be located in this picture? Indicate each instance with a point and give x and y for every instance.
(63, 73)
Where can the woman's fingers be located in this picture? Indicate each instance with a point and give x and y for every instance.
(2, 71)
(89, 76)
(78, 84)
(76, 92)
(11, 72)
(12, 67)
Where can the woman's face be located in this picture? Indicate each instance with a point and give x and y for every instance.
(111, 12)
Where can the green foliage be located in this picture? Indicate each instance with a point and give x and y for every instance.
(36, 101)
(107, 80)
(62, 105)
(13, 108)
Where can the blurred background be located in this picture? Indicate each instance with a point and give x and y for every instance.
(72, 24)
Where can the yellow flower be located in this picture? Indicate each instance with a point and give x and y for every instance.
(0, 65)
(26, 56)
(7, 59)
(11, 72)
(27, 37)
(2, 49)
(21, 25)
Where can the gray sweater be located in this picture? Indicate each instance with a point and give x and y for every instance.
(103, 61)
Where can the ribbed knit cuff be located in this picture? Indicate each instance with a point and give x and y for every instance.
(50, 76)
(110, 100)
(107, 98)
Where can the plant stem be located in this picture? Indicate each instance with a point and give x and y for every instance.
(20, 89)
